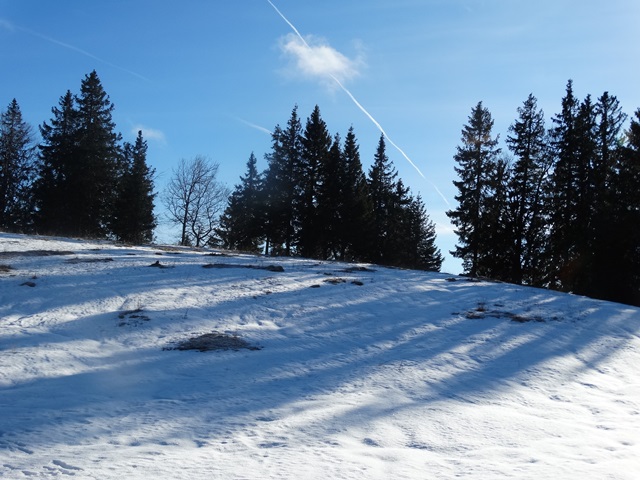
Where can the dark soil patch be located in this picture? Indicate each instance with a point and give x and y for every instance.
(269, 268)
(214, 341)
(76, 261)
(132, 317)
(358, 269)
(335, 281)
(5, 268)
(35, 253)
(28, 284)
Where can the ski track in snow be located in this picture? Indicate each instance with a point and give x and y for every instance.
(406, 375)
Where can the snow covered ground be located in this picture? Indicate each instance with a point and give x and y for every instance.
(356, 373)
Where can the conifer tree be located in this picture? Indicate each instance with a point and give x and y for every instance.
(283, 192)
(608, 249)
(81, 160)
(133, 219)
(316, 144)
(330, 200)
(573, 141)
(17, 170)
(476, 159)
(422, 238)
(59, 169)
(527, 193)
(242, 223)
(382, 188)
(355, 228)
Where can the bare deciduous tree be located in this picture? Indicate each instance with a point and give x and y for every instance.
(195, 199)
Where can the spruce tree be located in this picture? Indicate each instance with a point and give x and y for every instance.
(81, 160)
(100, 156)
(316, 144)
(17, 171)
(242, 223)
(382, 188)
(283, 192)
(58, 168)
(330, 200)
(476, 159)
(609, 248)
(527, 193)
(133, 219)
(356, 209)
(574, 145)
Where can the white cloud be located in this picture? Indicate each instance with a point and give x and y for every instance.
(314, 58)
(150, 133)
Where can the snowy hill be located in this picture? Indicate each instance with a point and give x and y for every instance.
(322, 370)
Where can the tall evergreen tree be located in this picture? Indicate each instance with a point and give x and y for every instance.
(17, 170)
(316, 145)
(101, 156)
(330, 200)
(242, 223)
(476, 159)
(382, 188)
(283, 192)
(572, 194)
(608, 250)
(58, 167)
(81, 160)
(356, 209)
(133, 218)
(527, 193)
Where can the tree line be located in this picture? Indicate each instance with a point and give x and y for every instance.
(561, 209)
(315, 200)
(81, 179)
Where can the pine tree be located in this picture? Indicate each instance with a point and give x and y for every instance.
(476, 169)
(58, 169)
(17, 170)
(624, 280)
(316, 144)
(133, 219)
(382, 188)
(330, 202)
(101, 158)
(81, 160)
(283, 192)
(572, 196)
(426, 255)
(608, 250)
(527, 193)
(356, 208)
(242, 223)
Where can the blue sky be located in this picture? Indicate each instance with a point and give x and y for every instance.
(212, 78)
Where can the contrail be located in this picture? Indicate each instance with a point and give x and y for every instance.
(9, 25)
(359, 105)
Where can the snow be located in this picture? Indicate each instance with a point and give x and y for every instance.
(402, 374)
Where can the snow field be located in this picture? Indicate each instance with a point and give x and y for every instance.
(405, 375)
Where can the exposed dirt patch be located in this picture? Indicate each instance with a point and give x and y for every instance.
(269, 268)
(35, 253)
(132, 318)
(214, 341)
(358, 269)
(5, 268)
(75, 261)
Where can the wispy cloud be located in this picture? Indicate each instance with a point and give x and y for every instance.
(315, 59)
(255, 126)
(320, 60)
(150, 133)
(7, 25)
